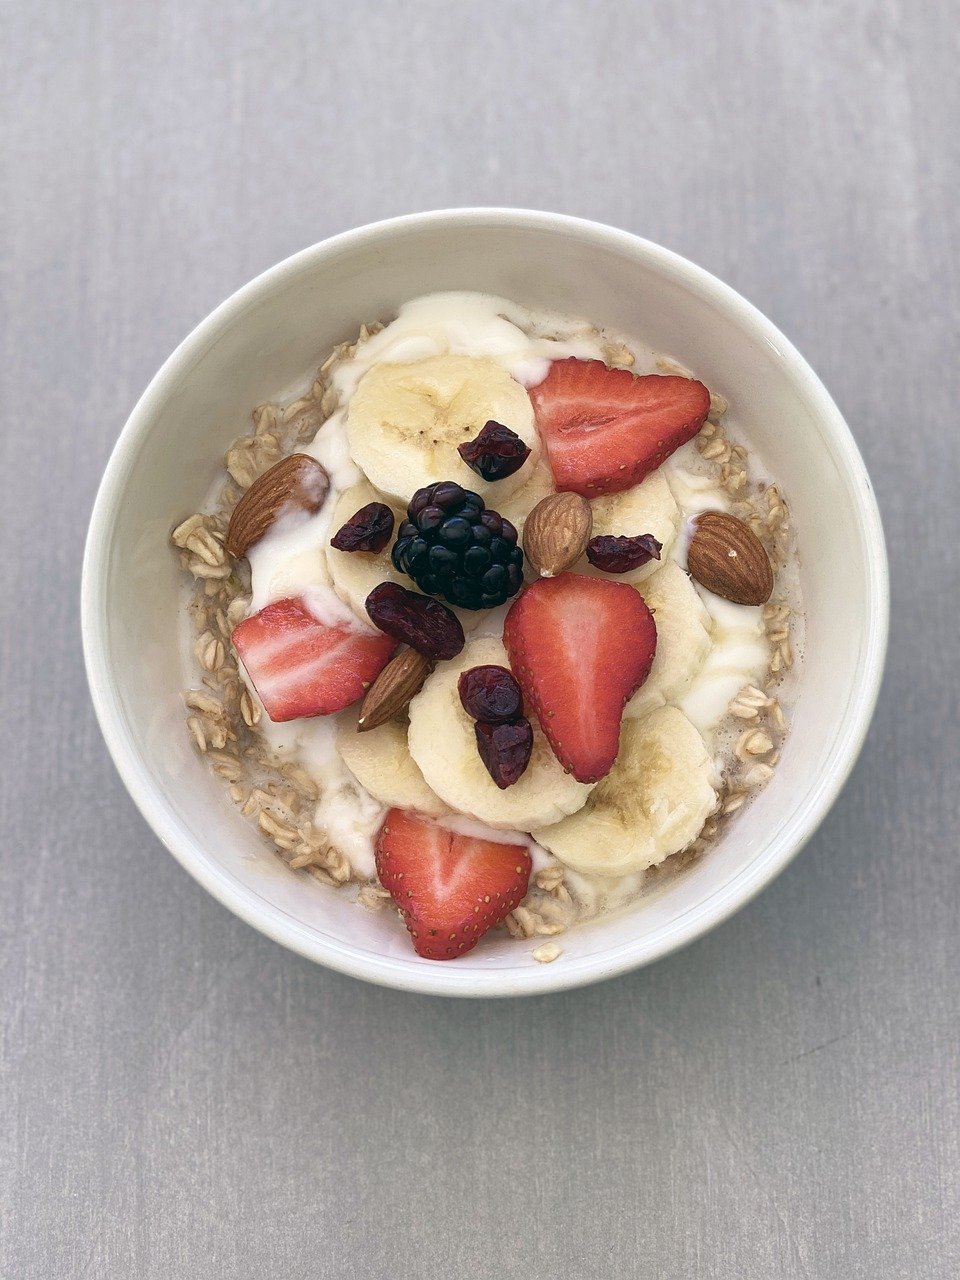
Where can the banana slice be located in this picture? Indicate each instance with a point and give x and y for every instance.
(405, 422)
(648, 507)
(683, 639)
(520, 503)
(354, 574)
(381, 762)
(652, 803)
(443, 744)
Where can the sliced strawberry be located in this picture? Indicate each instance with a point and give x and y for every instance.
(450, 888)
(303, 667)
(580, 647)
(604, 429)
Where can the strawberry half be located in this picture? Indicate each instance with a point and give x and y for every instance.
(580, 647)
(303, 667)
(450, 888)
(604, 429)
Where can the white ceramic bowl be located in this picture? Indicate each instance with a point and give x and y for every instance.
(271, 334)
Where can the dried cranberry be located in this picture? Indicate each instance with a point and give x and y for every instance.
(505, 749)
(497, 452)
(490, 694)
(368, 529)
(424, 624)
(620, 555)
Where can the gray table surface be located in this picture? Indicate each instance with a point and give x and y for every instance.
(181, 1097)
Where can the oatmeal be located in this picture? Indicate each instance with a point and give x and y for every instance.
(496, 622)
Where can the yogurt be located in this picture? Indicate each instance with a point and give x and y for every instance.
(289, 559)
(740, 649)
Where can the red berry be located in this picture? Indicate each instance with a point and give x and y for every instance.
(450, 888)
(490, 694)
(620, 555)
(604, 429)
(303, 667)
(505, 749)
(580, 647)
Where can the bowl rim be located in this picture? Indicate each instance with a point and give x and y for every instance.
(531, 978)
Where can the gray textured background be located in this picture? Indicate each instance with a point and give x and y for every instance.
(181, 1098)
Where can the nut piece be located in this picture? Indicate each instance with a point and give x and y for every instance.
(397, 683)
(556, 532)
(296, 483)
(728, 558)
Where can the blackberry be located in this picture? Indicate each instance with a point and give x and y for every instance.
(452, 546)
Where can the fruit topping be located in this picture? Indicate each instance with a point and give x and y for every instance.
(505, 749)
(490, 694)
(451, 545)
(443, 745)
(604, 429)
(728, 558)
(295, 484)
(381, 762)
(652, 803)
(425, 625)
(399, 681)
(556, 532)
(622, 555)
(405, 421)
(368, 529)
(450, 888)
(497, 452)
(580, 647)
(684, 638)
(301, 666)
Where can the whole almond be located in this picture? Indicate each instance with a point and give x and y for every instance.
(728, 558)
(296, 483)
(556, 533)
(397, 683)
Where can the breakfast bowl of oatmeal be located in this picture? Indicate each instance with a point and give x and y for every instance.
(485, 602)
